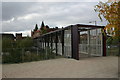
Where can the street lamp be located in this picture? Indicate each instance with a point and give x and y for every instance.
(94, 22)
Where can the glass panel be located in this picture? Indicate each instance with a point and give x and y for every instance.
(67, 43)
(99, 42)
(91, 42)
(43, 45)
(59, 44)
(53, 44)
(96, 42)
(83, 42)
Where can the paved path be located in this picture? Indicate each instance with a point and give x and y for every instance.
(97, 67)
(0, 67)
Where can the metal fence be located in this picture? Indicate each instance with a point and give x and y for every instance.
(112, 50)
(18, 55)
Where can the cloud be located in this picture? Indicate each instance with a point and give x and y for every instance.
(22, 16)
(14, 9)
(9, 21)
(29, 16)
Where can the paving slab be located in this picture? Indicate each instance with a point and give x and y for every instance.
(94, 67)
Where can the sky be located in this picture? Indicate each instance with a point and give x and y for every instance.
(21, 17)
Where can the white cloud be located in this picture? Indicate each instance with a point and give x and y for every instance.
(9, 21)
(12, 19)
(54, 14)
(29, 16)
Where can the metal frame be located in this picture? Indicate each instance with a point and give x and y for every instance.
(74, 38)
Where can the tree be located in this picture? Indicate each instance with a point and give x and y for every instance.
(7, 44)
(25, 43)
(109, 41)
(42, 26)
(47, 26)
(44, 29)
(36, 27)
(111, 12)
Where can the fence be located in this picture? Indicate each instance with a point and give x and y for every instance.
(18, 55)
(113, 50)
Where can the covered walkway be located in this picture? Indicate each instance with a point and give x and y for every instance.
(74, 41)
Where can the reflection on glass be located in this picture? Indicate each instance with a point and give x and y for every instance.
(67, 43)
(59, 44)
(83, 42)
(91, 42)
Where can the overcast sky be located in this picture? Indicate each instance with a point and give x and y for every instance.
(22, 16)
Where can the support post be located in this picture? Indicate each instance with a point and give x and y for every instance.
(56, 41)
(104, 45)
(75, 42)
(89, 52)
(62, 42)
(45, 41)
(51, 41)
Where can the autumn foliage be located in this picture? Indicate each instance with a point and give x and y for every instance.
(111, 12)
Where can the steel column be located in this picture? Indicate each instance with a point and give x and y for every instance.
(75, 42)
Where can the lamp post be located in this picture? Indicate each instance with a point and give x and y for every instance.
(94, 22)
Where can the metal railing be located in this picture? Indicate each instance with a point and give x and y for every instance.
(19, 55)
(112, 50)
